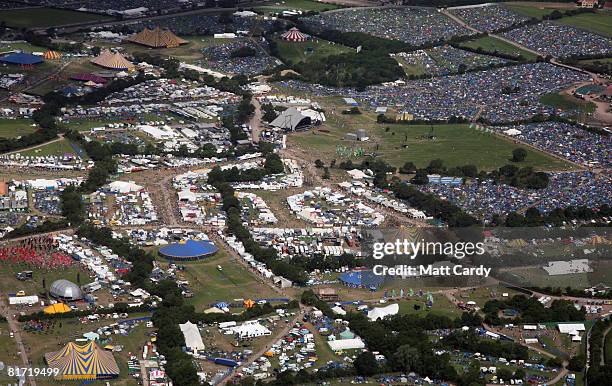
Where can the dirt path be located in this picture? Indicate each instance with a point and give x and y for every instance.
(255, 121)
(16, 330)
(59, 138)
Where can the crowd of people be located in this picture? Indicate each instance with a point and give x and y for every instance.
(116, 5)
(224, 58)
(489, 18)
(568, 141)
(410, 25)
(447, 60)
(485, 198)
(204, 24)
(504, 94)
(576, 189)
(559, 40)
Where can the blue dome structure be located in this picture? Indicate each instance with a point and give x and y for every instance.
(188, 250)
(21, 58)
(362, 278)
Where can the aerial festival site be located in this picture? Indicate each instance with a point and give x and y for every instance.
(305, 192)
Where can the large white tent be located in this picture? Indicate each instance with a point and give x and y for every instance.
(381, 312)
(193, 339)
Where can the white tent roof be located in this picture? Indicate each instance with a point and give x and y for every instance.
(381, 312)
(193, 339)
(346, 344)
(338, 310)
(124, 187)
(570, 328)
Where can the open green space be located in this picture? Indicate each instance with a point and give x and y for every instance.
(46, 17)
(56, 148)
(310, 50)
(233, 281)
(491, 44)
(455, 144)
(600, 22)
(11, 128)
(10, 284)
(441, 306)
(535, 10)
(8, 354)
(88, 124)
(567, 103)
(20, 46)
(540, 278)
(299, 5)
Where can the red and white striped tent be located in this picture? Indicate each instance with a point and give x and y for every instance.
(294, 35)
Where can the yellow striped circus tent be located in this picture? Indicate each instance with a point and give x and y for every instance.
(157, 38)
(113, 61)
(52, 55)
(88, 361)
(57, 308)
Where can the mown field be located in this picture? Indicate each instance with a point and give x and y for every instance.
(600, 22)
(211, 285)
(46, 17)
(567, 103)
(492, 44)
(57, 148)
(310, 50)
(299, 5)
(455, 144)
(11, 128)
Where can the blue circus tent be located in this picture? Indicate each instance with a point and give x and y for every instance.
(188, 250)
(21, 58)
(361, 279)
(222, 305)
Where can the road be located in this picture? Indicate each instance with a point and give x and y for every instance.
(16, 330)
(281, 333)
(255, 122)
(59, 138)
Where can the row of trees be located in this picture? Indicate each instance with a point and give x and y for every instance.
(532, 311)
(598, 374)
(231, 205)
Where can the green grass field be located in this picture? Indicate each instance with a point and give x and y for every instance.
(530, 10)
(492, 44)
(88, 124)
(58, 148)
(233, 282)
(10, 128)
(27, 47)
(567, 103)
(310, 50)
(441, 306)
(46, 17)
(456, 145)
(600, 22)
(300, 5)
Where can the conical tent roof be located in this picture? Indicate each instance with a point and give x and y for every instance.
(52, 55)
(157, 38)
(114, 61)
(294, 35)
(83, 362)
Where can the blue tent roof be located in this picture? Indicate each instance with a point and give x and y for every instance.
(21, 58)
(190, 249)
(361, 278)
